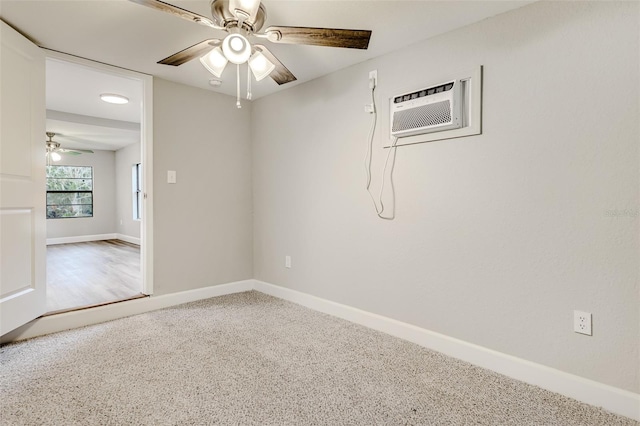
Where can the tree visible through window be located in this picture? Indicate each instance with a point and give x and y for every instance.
(69, 191)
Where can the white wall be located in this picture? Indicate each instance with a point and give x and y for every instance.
(203, 223)
(126, 158)
(498, 237)
(104, 198)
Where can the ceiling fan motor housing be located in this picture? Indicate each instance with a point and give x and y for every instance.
(51, 145)
(225, 18)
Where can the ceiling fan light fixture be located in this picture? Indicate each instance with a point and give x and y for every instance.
(55, 156)
(260, 66)
(214, 62)
(113, 98)
(236, 48)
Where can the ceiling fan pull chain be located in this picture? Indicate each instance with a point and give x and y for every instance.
(249, 95)
(238, 86)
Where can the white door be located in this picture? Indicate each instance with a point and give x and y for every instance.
(22, 180)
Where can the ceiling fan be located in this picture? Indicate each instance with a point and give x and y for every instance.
(54, 150)
(243, 19)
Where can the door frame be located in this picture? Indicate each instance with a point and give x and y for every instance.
(146, 143)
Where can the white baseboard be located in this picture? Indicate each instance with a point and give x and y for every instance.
(81, 318)
(128, 239)
(80, 239)
(610, 398)
(86, 238)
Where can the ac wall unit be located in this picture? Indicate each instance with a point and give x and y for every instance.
(427, 110)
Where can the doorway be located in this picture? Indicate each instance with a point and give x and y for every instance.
(99, 211)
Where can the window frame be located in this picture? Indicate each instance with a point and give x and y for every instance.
(67, 191)
(136, 185)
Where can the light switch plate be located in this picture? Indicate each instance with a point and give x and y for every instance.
(171, 176)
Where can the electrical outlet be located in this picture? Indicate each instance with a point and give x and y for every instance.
(287, 261)
(582, 322)
(373, 79)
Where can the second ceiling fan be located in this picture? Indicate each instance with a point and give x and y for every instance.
(243, 19)
(54, 150)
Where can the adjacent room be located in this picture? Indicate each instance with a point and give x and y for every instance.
(94, 181)
(355, 212)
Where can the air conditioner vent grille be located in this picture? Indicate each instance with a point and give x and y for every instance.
(424, 116)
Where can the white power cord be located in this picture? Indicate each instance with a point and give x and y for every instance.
(368, 157)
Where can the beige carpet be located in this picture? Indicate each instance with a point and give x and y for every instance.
(250, 359)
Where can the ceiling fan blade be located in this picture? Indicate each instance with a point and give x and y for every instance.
(179, 12)
(330, 37)
(280, 74)
(192, 52)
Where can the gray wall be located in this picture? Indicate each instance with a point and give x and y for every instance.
(125, 159)
(104, 198)
(203, 224)
(498, 237)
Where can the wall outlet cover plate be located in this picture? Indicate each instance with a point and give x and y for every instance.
(582, 322)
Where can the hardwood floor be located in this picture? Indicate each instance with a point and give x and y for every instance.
(92, 273)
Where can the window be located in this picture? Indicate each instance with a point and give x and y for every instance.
(69, 191)
(136, 179)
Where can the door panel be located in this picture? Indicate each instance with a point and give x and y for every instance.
(16, 112)
(16, 251)
(22, 180)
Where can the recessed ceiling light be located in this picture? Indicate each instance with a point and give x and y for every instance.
(114, 99)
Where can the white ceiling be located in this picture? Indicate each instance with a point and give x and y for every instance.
(76, 89)
(85, 132)
(77, 115)
(127, 35)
